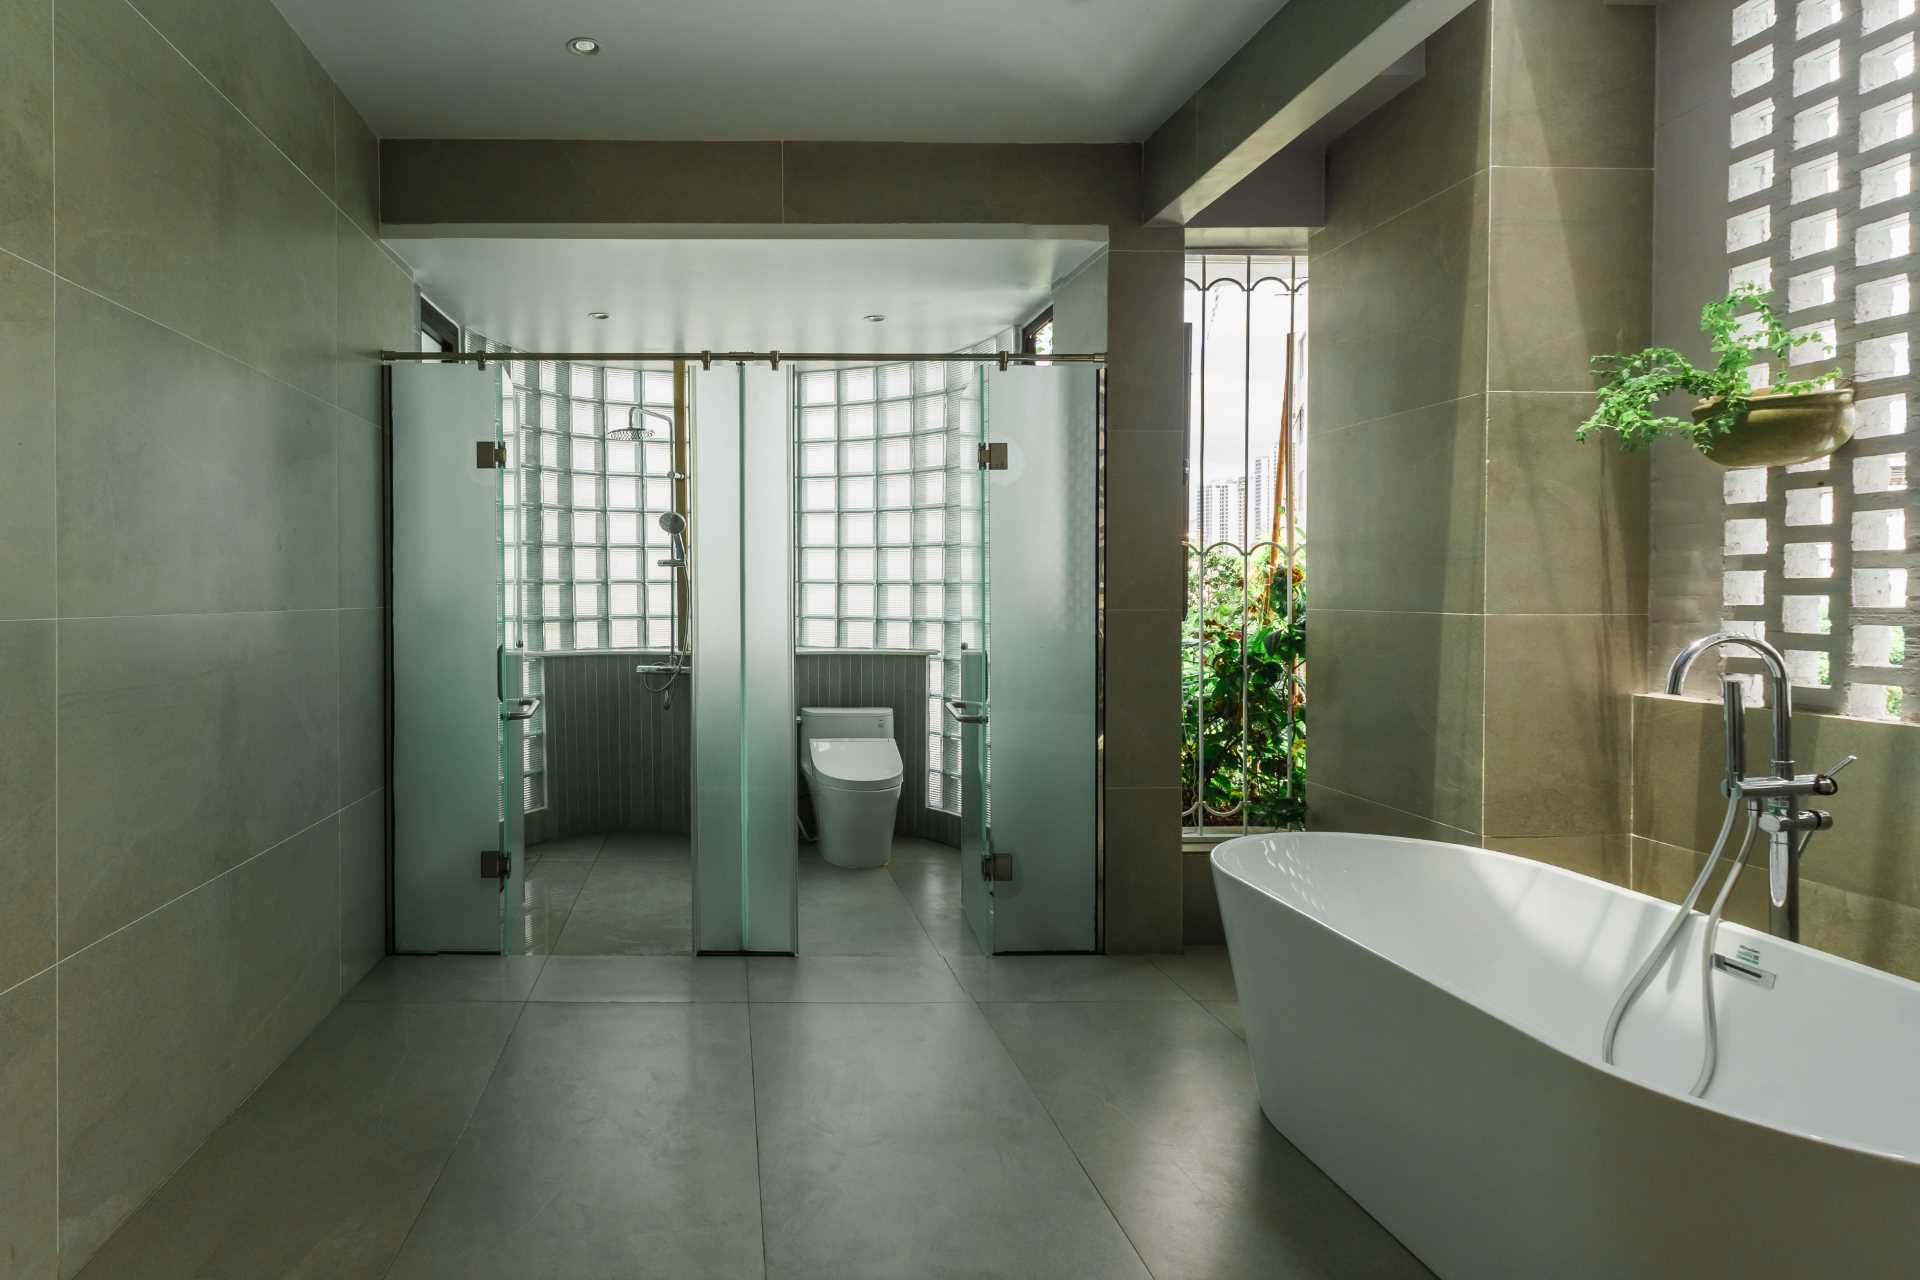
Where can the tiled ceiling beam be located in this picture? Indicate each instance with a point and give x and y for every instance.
(1312, 57)
(451, 183)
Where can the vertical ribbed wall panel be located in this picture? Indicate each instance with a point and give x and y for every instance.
(618, 761)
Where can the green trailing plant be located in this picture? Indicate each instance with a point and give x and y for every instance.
(1245, 616)
(1631, 384)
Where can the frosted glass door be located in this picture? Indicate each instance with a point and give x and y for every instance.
(1042, 648)
(447, 692)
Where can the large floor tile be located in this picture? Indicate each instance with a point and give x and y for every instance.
(547, 890)
(1205, 973)
(621, 844)
(899, 1140)
(852, 980)
(856, 912)
(642, 979)
(632, 906)
(613, 1140)
(571, 849)
(437, 979)
(29, 1158)
(931, 886)
(1231, 1016)
(323, 1170)
(1067, 978)
(1159, 1104)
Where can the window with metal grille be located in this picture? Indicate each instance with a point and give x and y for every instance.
(888, 529)
(1820, 207)
(1243, 678)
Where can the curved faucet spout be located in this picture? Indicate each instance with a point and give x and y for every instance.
(1781, 698)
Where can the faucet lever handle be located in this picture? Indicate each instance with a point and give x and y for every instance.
(1823, 783)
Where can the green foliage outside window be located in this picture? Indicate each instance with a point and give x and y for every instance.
(1271, 758)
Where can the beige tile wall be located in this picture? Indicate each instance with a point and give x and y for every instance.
(191, 818)
(1479, 620)
(1860, 882)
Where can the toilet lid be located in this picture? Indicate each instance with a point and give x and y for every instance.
(856, 764)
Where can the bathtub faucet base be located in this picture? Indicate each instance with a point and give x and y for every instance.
(1788, 827)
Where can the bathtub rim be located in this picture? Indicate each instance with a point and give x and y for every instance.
(1593, 1063)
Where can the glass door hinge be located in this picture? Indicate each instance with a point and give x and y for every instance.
(495, 865)
(993, 456)
(488, 454)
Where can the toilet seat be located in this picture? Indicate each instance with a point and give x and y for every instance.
(855, 764)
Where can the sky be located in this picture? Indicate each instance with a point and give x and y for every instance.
(1239, 332)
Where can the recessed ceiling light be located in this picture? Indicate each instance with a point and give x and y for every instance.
(585, 46)
(873, 317)
(597, 315)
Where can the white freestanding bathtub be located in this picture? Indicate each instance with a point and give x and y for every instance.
(1424, 1021)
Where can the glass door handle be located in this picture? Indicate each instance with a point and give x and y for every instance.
(967, 712)
(524, 709)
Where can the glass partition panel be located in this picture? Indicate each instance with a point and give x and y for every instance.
(448, 697)
(1042, 644)
(745, 779)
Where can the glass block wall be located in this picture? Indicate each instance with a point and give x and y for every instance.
(888, 535)
(1820, 207)
(580, 536)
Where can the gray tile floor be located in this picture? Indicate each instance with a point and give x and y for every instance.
(921, 1111)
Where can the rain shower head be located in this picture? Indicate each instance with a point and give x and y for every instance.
(633, 431)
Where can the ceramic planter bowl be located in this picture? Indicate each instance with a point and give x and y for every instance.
(1778, 431)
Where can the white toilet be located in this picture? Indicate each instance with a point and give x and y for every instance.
(853, 771)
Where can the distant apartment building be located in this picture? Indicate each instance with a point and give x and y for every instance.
(1224, 510)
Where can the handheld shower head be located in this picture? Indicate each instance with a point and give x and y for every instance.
(674, 525)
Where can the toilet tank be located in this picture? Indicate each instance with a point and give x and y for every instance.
(843, 722)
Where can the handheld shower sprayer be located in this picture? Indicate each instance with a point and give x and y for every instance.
(674, 525)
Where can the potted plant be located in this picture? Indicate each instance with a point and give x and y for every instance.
(1793, 421)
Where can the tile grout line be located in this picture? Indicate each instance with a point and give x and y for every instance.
(1060, 1133)
(187, 893)
(332, 120)
(753, 1097)
(453, 1148)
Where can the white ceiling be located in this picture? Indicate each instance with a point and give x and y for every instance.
(743, 295)
(886, 70)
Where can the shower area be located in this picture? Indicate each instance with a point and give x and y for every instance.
(595, 603)
(666, 630)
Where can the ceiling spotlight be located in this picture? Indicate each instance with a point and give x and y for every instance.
(585, 46)
(873, 317)
(597, 315)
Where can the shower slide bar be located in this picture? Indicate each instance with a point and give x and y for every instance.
(706, 359)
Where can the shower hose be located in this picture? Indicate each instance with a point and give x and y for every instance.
(1651, 965)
